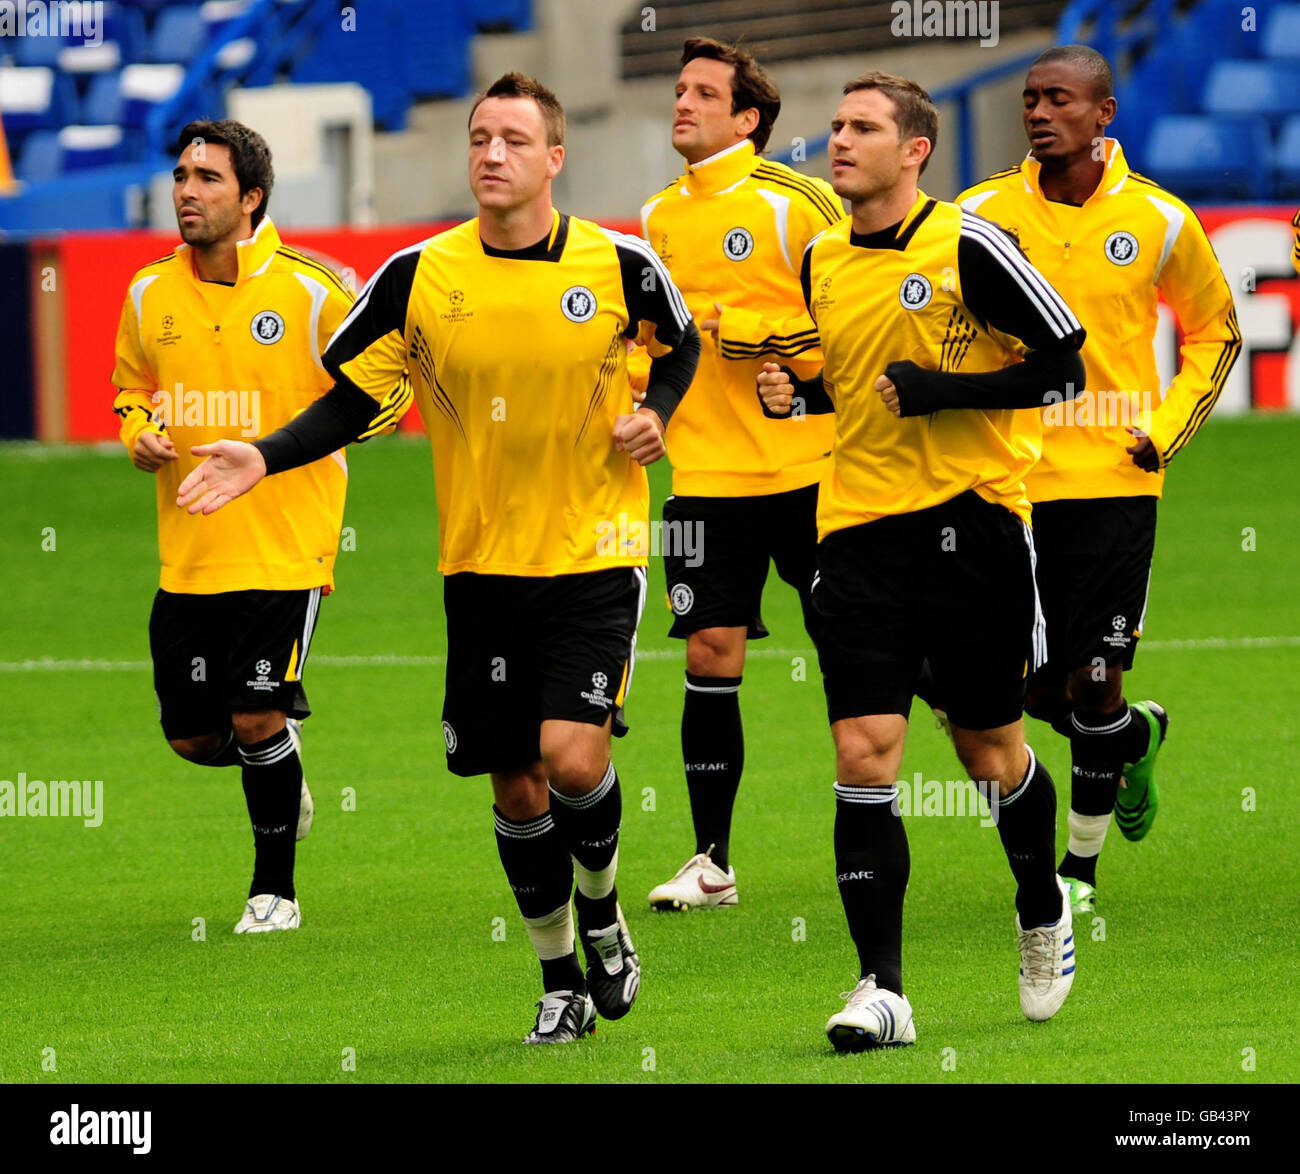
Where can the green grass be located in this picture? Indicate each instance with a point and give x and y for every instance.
(397, 957)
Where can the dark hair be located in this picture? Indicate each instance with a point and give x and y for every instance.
(1087, 61)
(914, 114)
(751, 88)
(248, 152)
(520, 85)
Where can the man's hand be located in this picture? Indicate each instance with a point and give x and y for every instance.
(232, 469)
(775, 389)
(889, 394)
(153, 450)
(711, 325)
(1143, 452)
(641, 436)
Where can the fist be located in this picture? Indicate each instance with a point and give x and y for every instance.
(775, 389)
(641, 435)
(889, 394)
(152, 451)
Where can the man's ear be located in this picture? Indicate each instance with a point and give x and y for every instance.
(555, 163)
(250, 200)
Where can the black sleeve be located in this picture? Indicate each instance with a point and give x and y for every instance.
(813, 393)
(1003, 291)
(379, 310)
(334, 420)
(649, 292)
(805, 278)
(671, 374)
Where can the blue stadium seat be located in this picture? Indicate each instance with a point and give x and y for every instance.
(1286, 161)
(85, 147)
(35, 98)
(34, 50)
(1270, 89)
(120, 37)
(103, 102)
(511, 15)
(178, 36)
(144, 87)
(1282, 34)
(41, 157)
(1215, 25)
(1199, 157)
(435, 51)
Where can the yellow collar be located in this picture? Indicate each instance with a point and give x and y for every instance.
(1112, 178)
(724, 170)
(254, 254)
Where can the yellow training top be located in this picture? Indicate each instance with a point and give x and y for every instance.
(204, 361)
(732, 230)
(1130, 241)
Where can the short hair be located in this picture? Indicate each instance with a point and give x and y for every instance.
(1087, 61)
(751, 87)
(914, 112)
(520, 85)
(249, 154)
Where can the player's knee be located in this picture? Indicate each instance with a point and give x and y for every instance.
(575, 770)
(198, 749)
(863, 758)
(993, 760)
(256, 725)
(716, 652)
(521, 795)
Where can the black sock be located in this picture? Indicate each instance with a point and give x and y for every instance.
(540, 873)
(1026, 821)
(713, 749)
(588, 828)
(1100, 745)
(872, 864)
(228, 755)
(272, 789)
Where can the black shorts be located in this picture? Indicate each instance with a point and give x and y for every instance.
(521, 651)
(234, 650)
(731, 541)
(1094, 568)
(953, 585)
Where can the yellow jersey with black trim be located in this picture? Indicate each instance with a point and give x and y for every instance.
(732, 231)
(205, 361)
(1112, 257)
(950, 292)
(519, 363)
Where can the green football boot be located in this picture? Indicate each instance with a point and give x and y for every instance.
(1083, 896)
(1137, 800)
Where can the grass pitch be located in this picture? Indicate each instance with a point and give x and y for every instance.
(412, 964)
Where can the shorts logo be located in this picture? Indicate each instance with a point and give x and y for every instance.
(738, 244)
(1121, 248)
(578, 304)
(449, 736)
(915, 292)
(682, 598)
(597, 694)
(267, 327)
(263, 668)
(262, 685)
(1118, 623)
(1119, 638)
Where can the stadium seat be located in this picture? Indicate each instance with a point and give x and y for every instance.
(1281, 40)
(120, 37)
(178, 36)
(85, 147)
(103, 102)
(1270, 89)
(34, 51)
(435, 51)
(1215, 27)
(41, 158)
(1199, 157)
(34, 98)
(502, 15)
(145, 86)
(1286, 161)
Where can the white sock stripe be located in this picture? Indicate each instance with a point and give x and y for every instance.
(282, 748)
(712, 688)
(591, 798)
(1114, 727)
(527, 830)
(867, 795)
(1024, 783)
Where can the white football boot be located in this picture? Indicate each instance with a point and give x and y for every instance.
(1047, 962)
(562, 1018)
(699, 884)
(306, 808)
(266, 912)
(872, 1018)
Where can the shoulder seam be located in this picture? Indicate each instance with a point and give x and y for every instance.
(805, 186)
(293, 255)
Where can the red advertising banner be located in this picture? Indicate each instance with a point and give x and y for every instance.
(1253, 246)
